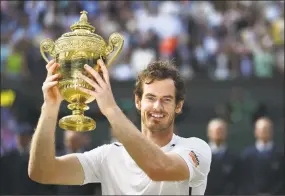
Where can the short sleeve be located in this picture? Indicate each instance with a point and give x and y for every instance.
(198, 156)
(91, 162)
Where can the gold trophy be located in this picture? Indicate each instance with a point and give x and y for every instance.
(72, 51)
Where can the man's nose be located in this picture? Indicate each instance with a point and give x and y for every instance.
(157, 105)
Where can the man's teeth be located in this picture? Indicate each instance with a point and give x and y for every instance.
(157, 115)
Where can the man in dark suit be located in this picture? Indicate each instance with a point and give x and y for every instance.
(262, 164)
(221, 179)
(14, 167)
(77, 142)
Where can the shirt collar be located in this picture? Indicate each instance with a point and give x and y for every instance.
(260, 146)
(217, 149)
(171, 144)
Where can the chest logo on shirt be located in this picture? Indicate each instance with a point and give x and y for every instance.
(194, 158)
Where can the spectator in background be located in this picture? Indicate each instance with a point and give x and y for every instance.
(8, 123)
(142, 55)
(76, 142)
(263, 60)
(211, 46)
(16, 65)
(261, 168)
(279, 59)
(277, 32)
(246, 65)
(222, 71)
(221, 179)
(14, 167)
(5, 51)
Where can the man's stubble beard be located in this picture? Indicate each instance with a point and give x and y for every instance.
(158, 127)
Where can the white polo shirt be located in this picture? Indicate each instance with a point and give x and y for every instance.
(112, 166)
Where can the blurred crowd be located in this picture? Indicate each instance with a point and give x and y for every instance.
(220, 40)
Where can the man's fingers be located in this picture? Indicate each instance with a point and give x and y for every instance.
(105, 71)
(48, 85)
(89, 81)
(87, 91)
(53, 77)
(52, 69)
(50, 63)
(95, 74)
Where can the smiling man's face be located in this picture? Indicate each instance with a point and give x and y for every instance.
(157, 105)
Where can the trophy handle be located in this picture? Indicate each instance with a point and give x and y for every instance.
(47, 45)
(116, 40)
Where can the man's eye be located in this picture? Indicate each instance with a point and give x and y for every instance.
(150, 98)
(167, 100)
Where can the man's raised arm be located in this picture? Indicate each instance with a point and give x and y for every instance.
(44, 166)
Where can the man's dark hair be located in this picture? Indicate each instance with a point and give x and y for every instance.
(160, 70)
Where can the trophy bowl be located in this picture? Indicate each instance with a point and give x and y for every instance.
(72, 51)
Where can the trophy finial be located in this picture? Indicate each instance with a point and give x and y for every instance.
(83, 23)
(83, 17)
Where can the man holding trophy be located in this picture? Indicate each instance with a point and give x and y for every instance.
(154, 161)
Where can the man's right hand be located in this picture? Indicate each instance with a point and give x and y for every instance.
(51, 92)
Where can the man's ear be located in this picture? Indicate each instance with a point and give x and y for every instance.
(138, 102)
(179, 106)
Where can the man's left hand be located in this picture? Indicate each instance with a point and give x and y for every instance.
(102, 88)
